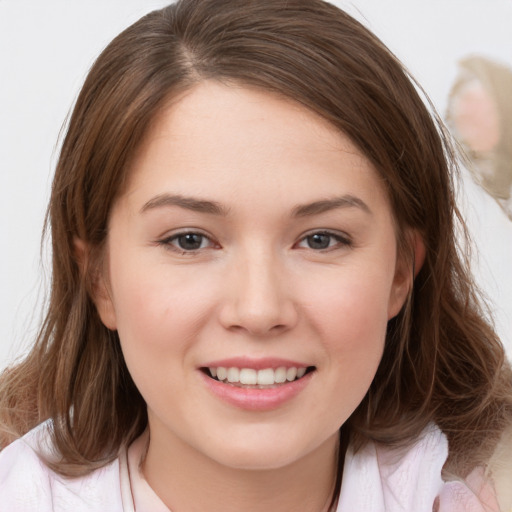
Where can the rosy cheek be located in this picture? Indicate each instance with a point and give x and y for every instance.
(352, 315)
(162, 307)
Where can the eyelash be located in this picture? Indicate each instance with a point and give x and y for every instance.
(168, 242)
(342, 240)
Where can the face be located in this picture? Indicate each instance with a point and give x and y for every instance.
(250, 272)
(476, 117)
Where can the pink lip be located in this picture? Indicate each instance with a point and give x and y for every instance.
(254, 399)
(256, 364)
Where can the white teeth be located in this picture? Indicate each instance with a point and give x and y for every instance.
(222, 373)
(280, 375)
(233, 375)
(266, 377)
(251, 377)
(248, 376)
(291, 373)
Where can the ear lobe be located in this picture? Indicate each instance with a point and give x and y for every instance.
(404, 275)
(97, 286)
(103, 302)
(402, 283)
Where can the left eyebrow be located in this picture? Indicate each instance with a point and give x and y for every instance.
(188, 203)
(325, 205)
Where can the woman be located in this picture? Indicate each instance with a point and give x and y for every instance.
(257, 297)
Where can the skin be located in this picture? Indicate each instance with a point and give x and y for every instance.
(257, 287)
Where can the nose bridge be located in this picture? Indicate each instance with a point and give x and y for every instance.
(260, 302)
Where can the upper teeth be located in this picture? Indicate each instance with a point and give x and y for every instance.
(265, 377)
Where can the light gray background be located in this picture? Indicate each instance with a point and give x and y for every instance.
(47, 47)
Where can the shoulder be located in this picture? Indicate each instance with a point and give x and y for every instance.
(383, 478)
(24, 480)
(27, 484)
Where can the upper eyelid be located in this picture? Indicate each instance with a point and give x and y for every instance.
(166, 240)
(342, 241)
(184, 231)
(331, 232)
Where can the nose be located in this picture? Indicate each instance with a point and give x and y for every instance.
(259, 299)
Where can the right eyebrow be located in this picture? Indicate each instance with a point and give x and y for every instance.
(325, 205)
(189, 203)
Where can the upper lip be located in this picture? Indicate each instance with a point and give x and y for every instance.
(255, 363)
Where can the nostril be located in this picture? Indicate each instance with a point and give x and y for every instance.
(279, 327)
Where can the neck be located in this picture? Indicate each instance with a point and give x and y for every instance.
(188, 481)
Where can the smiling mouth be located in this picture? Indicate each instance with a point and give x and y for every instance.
(258, 379)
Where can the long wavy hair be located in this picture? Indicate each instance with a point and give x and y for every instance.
(442, 361)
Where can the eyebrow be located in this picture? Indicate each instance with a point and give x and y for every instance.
(215, 208)
(325, 205)
(189, 203)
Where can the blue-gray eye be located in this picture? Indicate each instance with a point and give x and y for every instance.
(319, 240)
(190, 241)
(322, 240)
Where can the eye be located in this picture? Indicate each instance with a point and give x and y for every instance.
(189, 241)
(322, 240)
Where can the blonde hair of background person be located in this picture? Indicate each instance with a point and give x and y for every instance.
(441, 362)
(480, 113)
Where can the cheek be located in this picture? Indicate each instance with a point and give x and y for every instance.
(350, 317)
(354, 308)
(158, 312)
(352, 328)
(159, 318)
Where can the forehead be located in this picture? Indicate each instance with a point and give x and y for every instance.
(224, 139)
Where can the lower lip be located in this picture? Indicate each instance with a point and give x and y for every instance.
(254, 399)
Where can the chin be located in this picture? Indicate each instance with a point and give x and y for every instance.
(257, 460)
(265, 451)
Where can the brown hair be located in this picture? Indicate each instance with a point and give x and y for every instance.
(442, 361)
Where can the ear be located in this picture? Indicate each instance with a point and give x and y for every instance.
(98, 288)
(404, 275)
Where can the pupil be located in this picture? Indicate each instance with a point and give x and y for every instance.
(319, 241)
(190, 241)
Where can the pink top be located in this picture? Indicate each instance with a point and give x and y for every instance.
(144, 498)
(376, 479)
